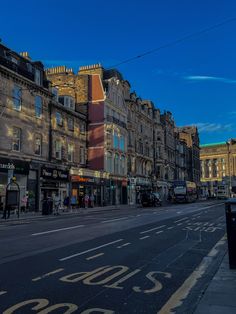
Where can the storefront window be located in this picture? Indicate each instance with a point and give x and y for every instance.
(16, 140)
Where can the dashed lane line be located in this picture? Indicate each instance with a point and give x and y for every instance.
(181, 219)
(48, 274)
(123, 245)
(89, 250)
(159, 232)
(3, 292)
(111, 220)
(170, 227)
(145, 237)
(56, 230)
(150, 230)
(94, 256)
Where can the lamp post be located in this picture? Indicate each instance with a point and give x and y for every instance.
(229, 145)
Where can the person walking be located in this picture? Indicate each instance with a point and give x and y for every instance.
(24, 202)
(57, 204)
(91, 198)
(86, 200)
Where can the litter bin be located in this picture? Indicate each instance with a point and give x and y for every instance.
(230, 212)
(45, 207)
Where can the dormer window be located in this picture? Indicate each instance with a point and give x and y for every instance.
(67, 101)
(37, 77)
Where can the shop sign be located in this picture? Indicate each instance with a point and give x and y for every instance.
(54, 174)
(82, 179)
(17, 166)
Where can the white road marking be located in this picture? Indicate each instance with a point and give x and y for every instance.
(3, 292)
(181, 219)
(138, 215)
(149, 230)
(48, 274)
(170, 228)
(94, 256)
(159, 232)
(56, 230)
(111, 220)
(89, 250)
(123, 245)
(145, 237)
(179, 224)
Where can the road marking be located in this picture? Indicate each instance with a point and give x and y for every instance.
(182, 292)
(94, 256)
(170, 228)
(90, 250)
(57, 230)
(159, 232)
(123, 245)
(149, 230)
(179, 224)
(3, 292)
(145, 237)
(138, 215)
(181, 219)
(48, 274)
(110, 220)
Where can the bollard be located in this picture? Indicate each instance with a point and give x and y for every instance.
(230, 213)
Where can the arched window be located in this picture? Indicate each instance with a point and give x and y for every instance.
(116, 163)
(122, 170)
(109, 161)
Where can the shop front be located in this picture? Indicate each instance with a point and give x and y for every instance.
(53, 181)
(13, 167)
(118, 191)
(142, 185)
(84, 186)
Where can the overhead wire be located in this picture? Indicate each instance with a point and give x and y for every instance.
(173, 43)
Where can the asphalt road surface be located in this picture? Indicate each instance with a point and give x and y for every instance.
(156, 260)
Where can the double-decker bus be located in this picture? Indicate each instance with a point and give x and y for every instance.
(184, 191)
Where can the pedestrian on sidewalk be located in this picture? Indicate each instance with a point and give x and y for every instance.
(86, 200)
(57, 204)
(24, 202)
(6, 212)
(91, 198)
(66, 202)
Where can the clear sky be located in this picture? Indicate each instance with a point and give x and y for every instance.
(195, 80)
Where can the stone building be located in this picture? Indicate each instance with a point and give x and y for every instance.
(24, 123)
(140, 144)
(218, 164)
(190, 135)
(168, 124)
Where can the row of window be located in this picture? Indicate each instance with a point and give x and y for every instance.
(59, 148)
(17, 138)
(116, 163)
(17, 101)
(70, 122)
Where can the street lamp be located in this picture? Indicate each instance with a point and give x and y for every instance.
(229, 144)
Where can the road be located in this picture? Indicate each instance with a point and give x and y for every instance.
(156, 260)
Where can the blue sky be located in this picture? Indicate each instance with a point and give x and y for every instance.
(195, 80)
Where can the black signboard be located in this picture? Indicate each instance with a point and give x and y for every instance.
(54, 174)
(18, 166)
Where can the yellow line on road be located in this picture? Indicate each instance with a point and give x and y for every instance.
(48, 274)
(178, 297)
(94, 256)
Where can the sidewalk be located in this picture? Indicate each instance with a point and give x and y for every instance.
(220, 295)
(81, 211)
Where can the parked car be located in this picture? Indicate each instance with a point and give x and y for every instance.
(151, 199)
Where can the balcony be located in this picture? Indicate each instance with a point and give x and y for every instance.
(116, 121)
